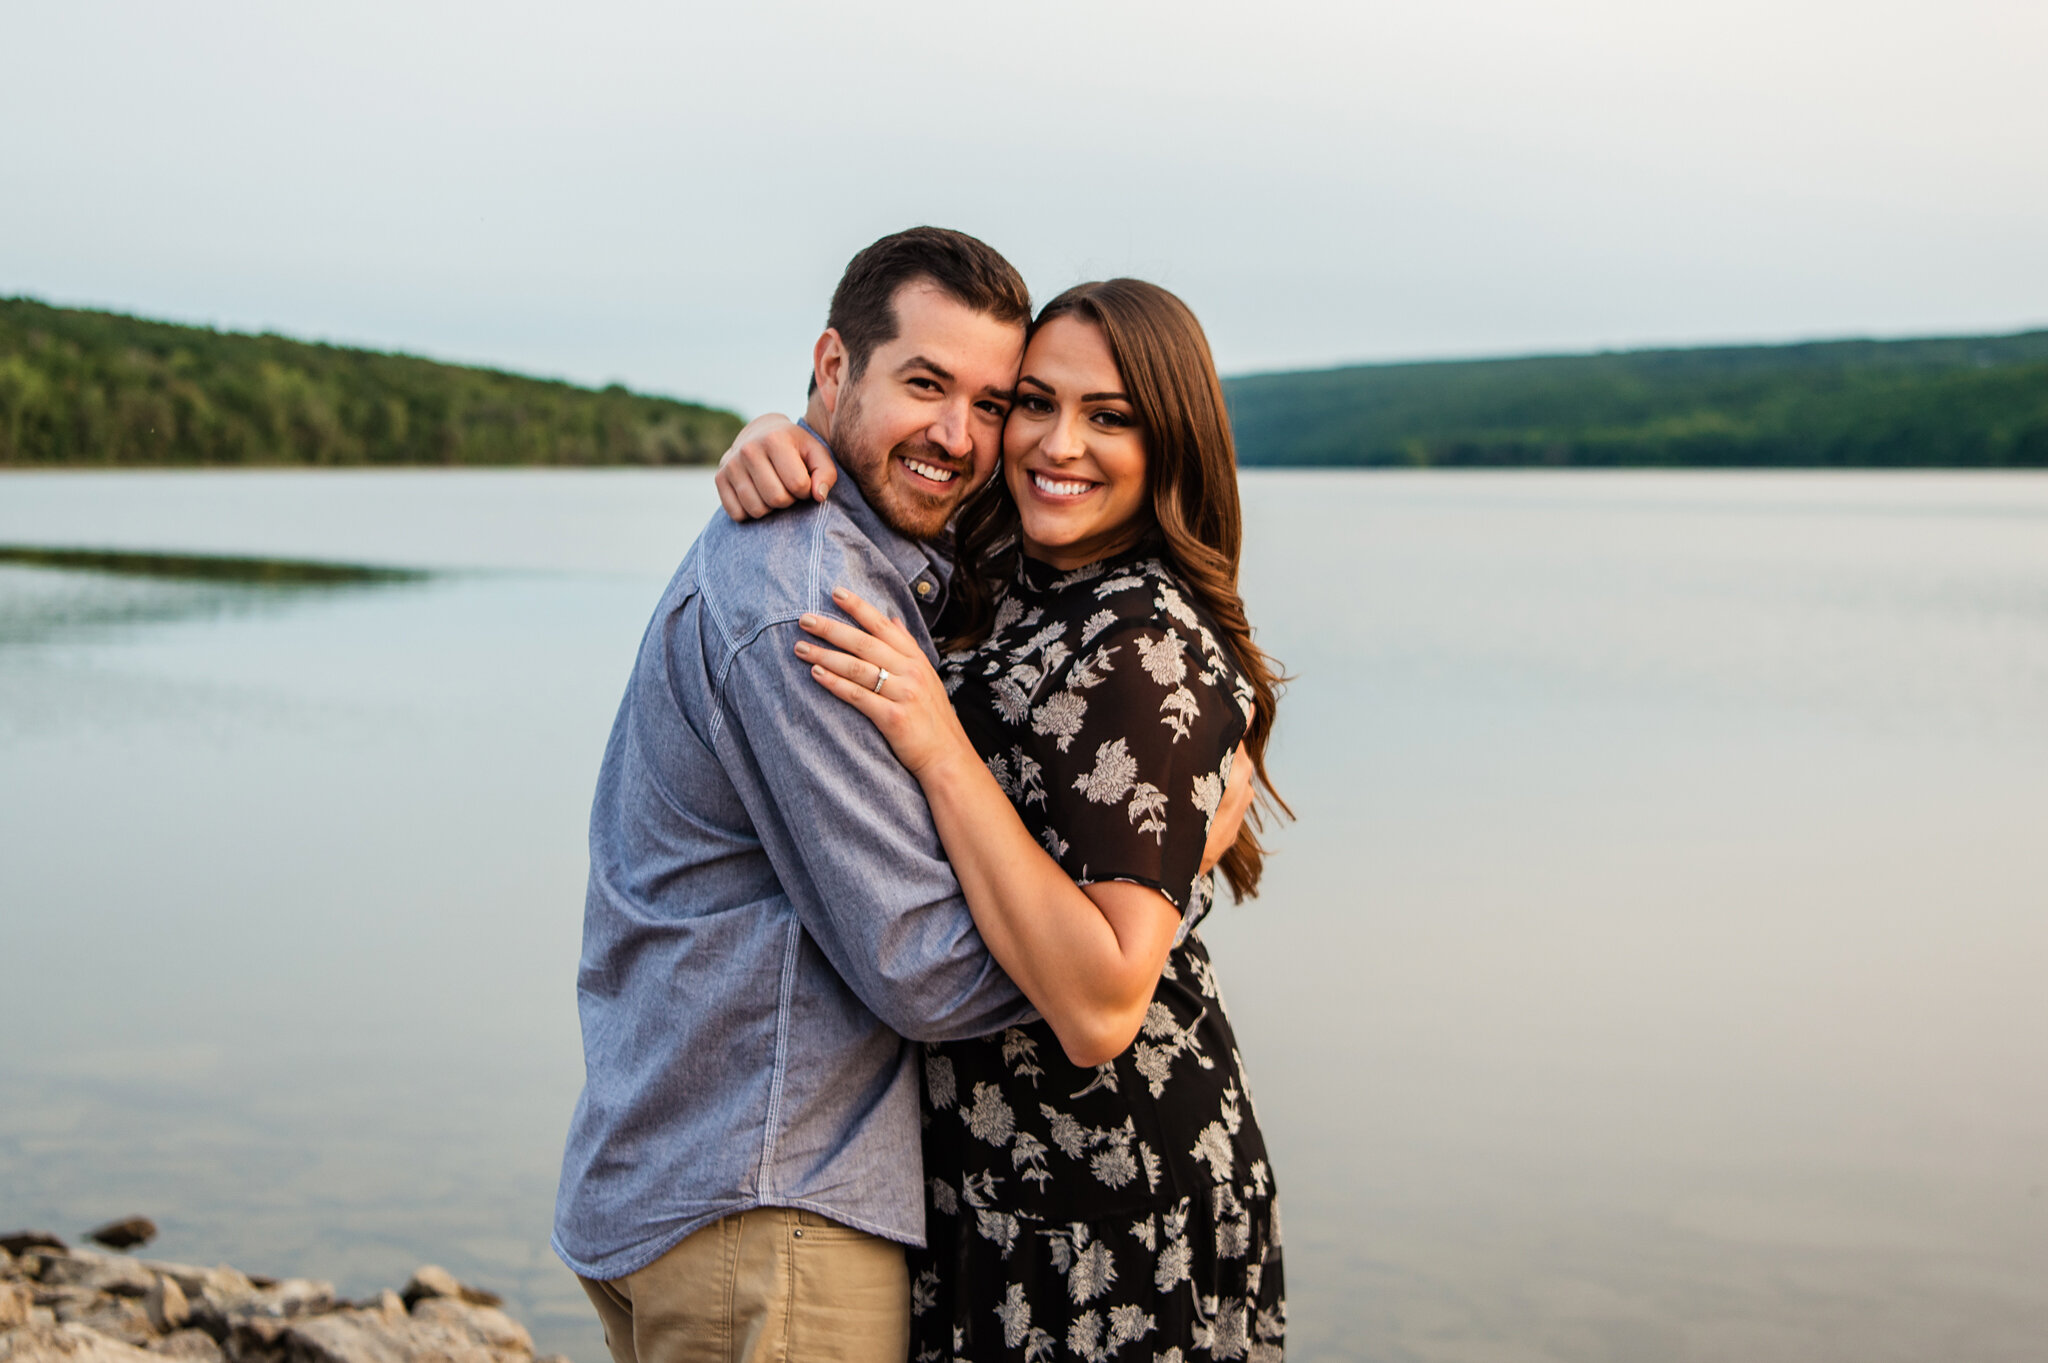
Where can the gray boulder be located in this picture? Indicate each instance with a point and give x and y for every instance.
(194, 1346)
(51, 1343)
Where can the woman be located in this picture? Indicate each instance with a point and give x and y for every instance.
(1086, 1193)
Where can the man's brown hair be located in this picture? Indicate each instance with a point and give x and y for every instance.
(966, 268)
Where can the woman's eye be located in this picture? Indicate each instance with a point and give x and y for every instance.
(1114, 420)
(1035, 405)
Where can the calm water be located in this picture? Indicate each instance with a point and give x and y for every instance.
(1658, 969)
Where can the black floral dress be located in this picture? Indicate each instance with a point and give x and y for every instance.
(1125, 1211)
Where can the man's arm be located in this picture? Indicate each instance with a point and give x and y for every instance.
(854, 847)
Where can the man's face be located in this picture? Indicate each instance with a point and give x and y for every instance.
(923, 425)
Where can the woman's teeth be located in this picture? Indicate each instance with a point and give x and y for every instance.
(936, 474)
(1056, 487)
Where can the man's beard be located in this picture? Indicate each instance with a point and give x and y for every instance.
(902, 509)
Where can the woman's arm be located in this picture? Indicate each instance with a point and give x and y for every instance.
(1089, 957)
(772, 462)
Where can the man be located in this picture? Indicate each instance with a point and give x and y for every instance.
(770, 914)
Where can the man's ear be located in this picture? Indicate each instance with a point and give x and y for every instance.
(829, 366)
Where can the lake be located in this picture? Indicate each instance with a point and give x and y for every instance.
(1657, 970)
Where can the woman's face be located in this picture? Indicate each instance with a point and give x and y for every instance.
(1073, 453)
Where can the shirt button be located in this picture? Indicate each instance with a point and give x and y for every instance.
(924, 589)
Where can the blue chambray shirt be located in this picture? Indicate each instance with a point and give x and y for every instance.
(770, 913)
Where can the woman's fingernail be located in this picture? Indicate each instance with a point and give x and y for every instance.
(840, 593)
(803, 650)
(808, 621)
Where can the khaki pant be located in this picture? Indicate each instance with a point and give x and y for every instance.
(771, 1285)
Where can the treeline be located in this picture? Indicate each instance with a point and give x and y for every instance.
(81, 388)
(1961, 402)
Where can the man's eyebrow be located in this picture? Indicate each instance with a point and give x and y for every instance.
(921, 362)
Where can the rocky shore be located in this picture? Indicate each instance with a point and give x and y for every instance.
(65, 1305)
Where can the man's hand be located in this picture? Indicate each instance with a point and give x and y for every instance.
(772, 462)
(1230, 810)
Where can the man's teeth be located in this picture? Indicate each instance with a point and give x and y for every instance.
(1059, 487)
(936, 474)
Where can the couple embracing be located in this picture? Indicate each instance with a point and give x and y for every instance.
(899, 1039)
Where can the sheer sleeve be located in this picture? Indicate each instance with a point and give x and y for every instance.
(1135, 748)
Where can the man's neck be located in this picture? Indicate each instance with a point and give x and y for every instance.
(818, 417)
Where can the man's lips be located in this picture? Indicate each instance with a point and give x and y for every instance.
(936, 473)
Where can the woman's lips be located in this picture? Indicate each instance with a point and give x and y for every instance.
(1064, 488)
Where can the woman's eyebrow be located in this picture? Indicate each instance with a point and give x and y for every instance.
(1023, 379)
(1104, 397)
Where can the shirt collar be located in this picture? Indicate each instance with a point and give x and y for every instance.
(920, 562)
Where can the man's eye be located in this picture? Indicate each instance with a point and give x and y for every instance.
(994, 408)
(928, 385)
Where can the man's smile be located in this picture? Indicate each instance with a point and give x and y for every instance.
(931, 472)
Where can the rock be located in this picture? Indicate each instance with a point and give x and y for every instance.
(126, 1233)
(15, 1302)
(16, 1242)
(100, 1272)
(432, 1280)
(120, 1317)
(289, 1297)
(50, 1343)
(220, 1285)
(166, 1305)
(487, 1325)
(195, 1346)
(130, 1232)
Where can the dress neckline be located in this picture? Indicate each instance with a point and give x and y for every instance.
(1043, 579)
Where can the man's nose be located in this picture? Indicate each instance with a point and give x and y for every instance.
(951, 433)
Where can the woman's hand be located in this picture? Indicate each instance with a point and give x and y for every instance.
(910, 706)
(772, 462)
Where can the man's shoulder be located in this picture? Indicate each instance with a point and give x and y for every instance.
(765, 572)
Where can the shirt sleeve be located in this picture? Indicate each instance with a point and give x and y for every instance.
(1147, 727)
(851, 839)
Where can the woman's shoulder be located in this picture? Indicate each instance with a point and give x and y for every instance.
(1143, 616)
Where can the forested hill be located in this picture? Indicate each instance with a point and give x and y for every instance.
(81, 388)
(1978, 401)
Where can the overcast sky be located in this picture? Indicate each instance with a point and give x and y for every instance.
(665, 194)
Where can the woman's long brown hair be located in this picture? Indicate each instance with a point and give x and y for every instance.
(1191, 465)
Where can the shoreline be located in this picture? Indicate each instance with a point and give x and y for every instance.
(64, 1305)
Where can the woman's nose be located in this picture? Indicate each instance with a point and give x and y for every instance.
(1063, 439)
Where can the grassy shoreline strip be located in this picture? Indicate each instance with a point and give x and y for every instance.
(272, 572)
